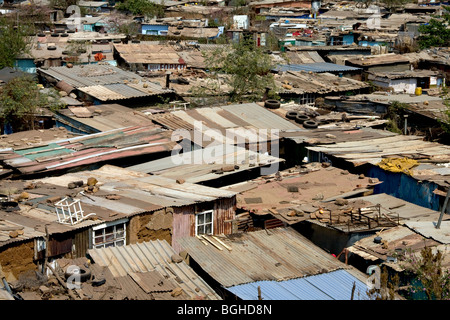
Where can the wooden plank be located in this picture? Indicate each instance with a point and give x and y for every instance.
(221, 242)
(210, 241)
(140, 282)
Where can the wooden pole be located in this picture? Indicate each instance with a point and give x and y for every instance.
(47, 240)
(61, 282)
(353, 290)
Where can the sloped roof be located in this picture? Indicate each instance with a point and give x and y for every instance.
(199, 165)
(104, 81)
(105, 117)
(278, 254)
(139, 259)
(88, 149)
(317, 67)
(153, 190)
(148, 53)
(322, 83)
(246, 115)
(334, 285)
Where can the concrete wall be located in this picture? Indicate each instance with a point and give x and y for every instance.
(398, 85)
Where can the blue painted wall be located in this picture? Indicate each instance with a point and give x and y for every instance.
(348, 39)
(26, 65)
(154, 29)
(405, 187)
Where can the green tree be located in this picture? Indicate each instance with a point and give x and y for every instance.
(394, 115)
(444, 120)
(433, 279)
(436, 32)
(248, 68)
(14, 41)
(392, 5)
(141, 7)
(21, 100)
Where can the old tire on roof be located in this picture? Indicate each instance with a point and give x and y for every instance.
(300, 118)
(51, 48)
(272, 104)
(291, 114)
(85, 273)
(310, 124)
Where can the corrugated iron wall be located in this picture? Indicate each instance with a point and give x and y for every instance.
(224, 213)
(183, 224)
(81, 243)
(184, 218)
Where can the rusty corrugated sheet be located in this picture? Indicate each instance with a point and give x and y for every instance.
(183, 224)
(93, 148)
(153, 256)
(275, 254)
(224, 212)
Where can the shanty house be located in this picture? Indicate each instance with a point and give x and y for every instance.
(395, 249)
(405, 163)
(381, 63)
(304, 88)
(99, 118)
(281, 262)
(154, 29)
(148, 57)
(98, 83)
(116, 146)
(108, 207)
(406, 81)
(174, 209)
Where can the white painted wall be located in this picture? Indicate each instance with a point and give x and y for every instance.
(404, 85)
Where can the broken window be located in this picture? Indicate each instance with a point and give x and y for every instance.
(111, 234)
(204, 222)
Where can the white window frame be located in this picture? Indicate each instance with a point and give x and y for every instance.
(204, 213)
(116, 240)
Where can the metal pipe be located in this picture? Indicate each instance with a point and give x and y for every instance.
(406, 123)
(438, 225)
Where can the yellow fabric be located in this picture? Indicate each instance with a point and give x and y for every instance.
(403, 165)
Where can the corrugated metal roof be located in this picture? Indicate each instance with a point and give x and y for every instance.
(335, 285)
(147, 53)
(316, 67)
(153, 256)
(104, 81)
(259, 117)
(90, 75)
(92, 148)
(237, 116)
(373, 150)
(407, 211)
(428, 229)
(105, 117)
(198, 165)
(276, 254)
(152, 191)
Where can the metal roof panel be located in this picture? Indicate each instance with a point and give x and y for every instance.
(316, 67)
(335, 285)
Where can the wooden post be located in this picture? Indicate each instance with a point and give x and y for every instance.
(47, 240)
(259, 293)
(61, 282)
(353, 290)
